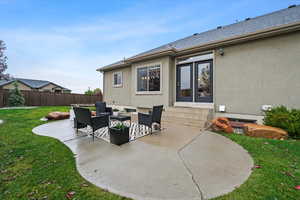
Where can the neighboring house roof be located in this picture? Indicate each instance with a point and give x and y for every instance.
(276, 19)
(34, 84)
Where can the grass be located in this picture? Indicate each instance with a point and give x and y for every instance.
(279, 170)
(37, 167)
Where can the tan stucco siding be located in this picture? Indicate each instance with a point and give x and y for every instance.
(148, 100)
(117, 95)
(260, 72)
(20, 85)
(172, 81)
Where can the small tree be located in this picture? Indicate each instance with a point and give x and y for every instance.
(89, 92)
(15, 96)
(3, 61)
(97, 91)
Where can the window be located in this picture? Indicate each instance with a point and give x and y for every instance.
(117, 79)
(148, 79)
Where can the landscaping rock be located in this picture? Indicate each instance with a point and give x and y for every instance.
(58, 115)
(93, 113)
(237, 124)
(222, 124)
(238, 127)
(256, 130)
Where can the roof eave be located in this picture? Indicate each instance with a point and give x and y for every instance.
(210, 45)
(108, 68)
(129, 61)
(243, 38)
(168, 52)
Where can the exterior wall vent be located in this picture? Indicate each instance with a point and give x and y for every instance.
(195, 33)
(219, 27)
(247, 19)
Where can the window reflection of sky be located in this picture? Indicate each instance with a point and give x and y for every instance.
(185, 75)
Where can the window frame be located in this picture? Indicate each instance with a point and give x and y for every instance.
(148, 66)
(113, 79)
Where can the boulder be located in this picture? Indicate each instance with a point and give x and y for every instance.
(58, 115)
(256, 130)
(222, 124)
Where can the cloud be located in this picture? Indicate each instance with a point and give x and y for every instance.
(70, 54)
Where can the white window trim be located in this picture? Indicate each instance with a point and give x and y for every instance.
(196, 58)
(117, 85)
(136, 79)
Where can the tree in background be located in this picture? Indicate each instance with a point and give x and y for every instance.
(15, 96)
(3, 61)
(89, 92)
(96, 91)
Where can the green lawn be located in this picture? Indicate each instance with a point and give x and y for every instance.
(279, 172)
(36, 167)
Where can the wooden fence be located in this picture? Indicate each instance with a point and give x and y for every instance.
(36, 98)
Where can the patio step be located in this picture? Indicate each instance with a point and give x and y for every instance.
(184, 122)
(196, 117)
(187, 110)
(191, 116)
(187, 113)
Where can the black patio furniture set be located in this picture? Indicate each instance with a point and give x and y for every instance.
(119, 134)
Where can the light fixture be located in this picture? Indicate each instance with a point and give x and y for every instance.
(221, 51)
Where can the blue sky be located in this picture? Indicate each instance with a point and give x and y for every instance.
(65, 41)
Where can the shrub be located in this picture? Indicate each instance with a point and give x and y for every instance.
(15, 97)
(284, 118)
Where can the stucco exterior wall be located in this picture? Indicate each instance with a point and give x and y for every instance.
(148, 100)
(172, 81)
(21, 86)
(117, 95)
(252, 74)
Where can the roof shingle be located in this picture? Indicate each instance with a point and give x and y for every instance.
(248, 26)
(35, 84)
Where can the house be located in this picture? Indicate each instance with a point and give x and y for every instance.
(237, 70)
(34, 85)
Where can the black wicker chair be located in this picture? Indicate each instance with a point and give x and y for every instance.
(154, 116)
(101, 109)
(84, 117)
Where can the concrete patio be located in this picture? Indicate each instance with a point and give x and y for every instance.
(178, 163)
